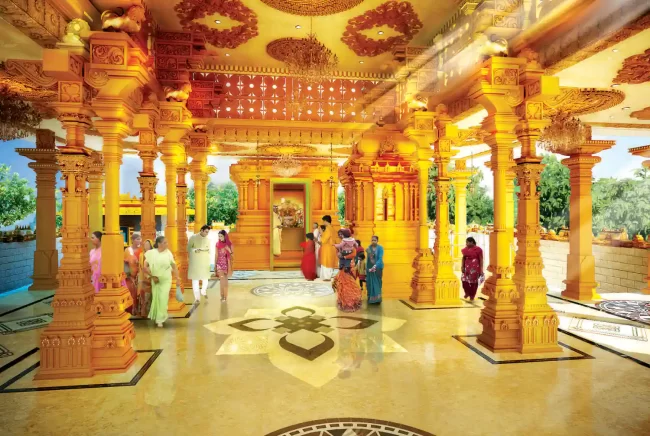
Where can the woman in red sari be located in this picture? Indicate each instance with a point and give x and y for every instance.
(472, 268)
(308, 264)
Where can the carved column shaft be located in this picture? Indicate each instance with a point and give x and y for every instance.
(460, 213)
(181, 219)
(95, 193)
(323, 195)
(148, 182)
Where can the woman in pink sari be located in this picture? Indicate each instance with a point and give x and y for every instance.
(472, 268)
(96, 260)
(223, 263)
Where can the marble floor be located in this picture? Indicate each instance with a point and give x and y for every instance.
(278, 359)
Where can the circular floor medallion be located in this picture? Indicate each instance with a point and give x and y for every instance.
(299, 289)
(312, 8)
(631, 309)
(350, 427)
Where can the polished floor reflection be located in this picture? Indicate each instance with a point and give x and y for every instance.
(283, 362)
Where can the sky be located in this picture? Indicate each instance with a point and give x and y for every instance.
(616, 162)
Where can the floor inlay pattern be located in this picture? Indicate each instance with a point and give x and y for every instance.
(630, 309)
(623, 331)
(350, 427)
(5, 352)
(313, 344)
(21, 325)
(293, 289)
(266, 275)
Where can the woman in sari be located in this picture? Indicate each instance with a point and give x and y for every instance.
(131, 267)
(374, 271)
(472, 268)
(308, 264)
(223, 263)
(144, 283)
(96, 260)
(348, 291)
(159, 264)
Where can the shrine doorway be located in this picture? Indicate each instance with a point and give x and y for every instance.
(290, 222)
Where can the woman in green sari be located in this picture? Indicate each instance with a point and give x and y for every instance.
(159, 264)
(374, 271)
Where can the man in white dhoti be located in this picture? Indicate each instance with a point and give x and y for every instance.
(198, 248)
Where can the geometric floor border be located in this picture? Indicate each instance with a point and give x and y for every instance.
(134, 381)
(472, 305)
(24, 306)
(340, 425)
(606, 348)
(582, 356)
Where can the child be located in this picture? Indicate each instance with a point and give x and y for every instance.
(361, 269)
(347, 249)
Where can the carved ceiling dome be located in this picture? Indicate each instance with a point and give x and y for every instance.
(189, 11)
(583, 101)
(312, 8)
(282, 48)
(398, 15)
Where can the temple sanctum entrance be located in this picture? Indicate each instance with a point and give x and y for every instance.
(290, 223)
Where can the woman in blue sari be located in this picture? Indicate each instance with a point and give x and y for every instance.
(374, 270)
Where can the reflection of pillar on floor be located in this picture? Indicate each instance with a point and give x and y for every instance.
(46, 256)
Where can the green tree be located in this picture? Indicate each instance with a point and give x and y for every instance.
(480, 207)
(223, 203)
(58, 198)
(554, 194)
(341, 205)
(17, 198)
(622, 203)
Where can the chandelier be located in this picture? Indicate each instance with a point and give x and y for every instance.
(18, 119)
(287, 166)
(310, 61)
(564, 134)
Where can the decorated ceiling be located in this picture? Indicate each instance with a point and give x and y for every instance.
(255, 33)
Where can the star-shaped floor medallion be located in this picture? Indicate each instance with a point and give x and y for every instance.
(313, 344)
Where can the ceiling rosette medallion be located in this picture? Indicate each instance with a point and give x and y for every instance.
(635, 70)
(189, 11)
(398, 15)
(312, 8)
(583, 101)
(282, 49)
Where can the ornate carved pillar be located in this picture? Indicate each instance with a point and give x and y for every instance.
(446, 285)
(246, 188)
(46, 256)
(461, 178)
(581, 266)
(495, 93)
(421, 130)
(379, 202)
(334, 198)
(66, 344)
(96, 192)
(391, 202)
(360, 202)
(147, 148)
(369, 200)
(199, 147)
(175, 122)
(537, 320)
(181, 220)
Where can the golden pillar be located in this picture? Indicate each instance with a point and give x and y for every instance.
(496, 88)
(175, 122)
(446, 286)
(199, 148)
(421, 129)
(581, 265)
(538, 321)
(182, 259)
(461, 178)
(96, 192)
(147, 148)
(46, 256)
(112, 350)
(66, 343)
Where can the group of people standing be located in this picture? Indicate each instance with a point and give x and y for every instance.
(323, 257)
(150, 266)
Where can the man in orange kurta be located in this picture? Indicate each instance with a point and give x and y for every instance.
(328, 259)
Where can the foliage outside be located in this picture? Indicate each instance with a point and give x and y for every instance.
(17, 198)
(341, 206)
(480, 207)
(223, 202)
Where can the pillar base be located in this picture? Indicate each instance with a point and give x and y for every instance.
(422, 281)
(112, 350)
(44, 284)
(446, 291)
(65, 353)
(581, 291)
(539, 332)
(499, 316)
